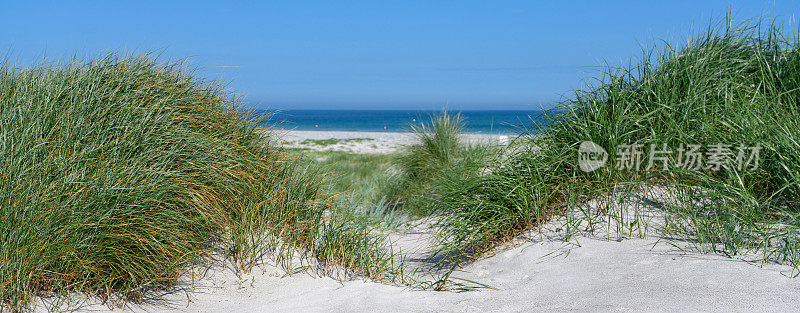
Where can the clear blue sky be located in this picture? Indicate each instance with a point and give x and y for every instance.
(372, 54)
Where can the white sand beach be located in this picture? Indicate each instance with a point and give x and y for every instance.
(363, 142)
(541, 274)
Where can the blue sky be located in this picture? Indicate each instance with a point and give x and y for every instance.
(373, 54)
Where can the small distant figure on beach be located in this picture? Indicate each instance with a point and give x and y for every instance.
(384, 127)
(316, 125)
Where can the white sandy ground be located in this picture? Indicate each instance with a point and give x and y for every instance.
(541, 272)
(376, 142)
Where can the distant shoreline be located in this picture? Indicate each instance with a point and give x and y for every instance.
(335, 131)
(494, 122)
(361, 141)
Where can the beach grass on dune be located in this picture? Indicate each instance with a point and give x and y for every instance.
(118, 174)
(360, 182)
(735, 84)
(439, 157)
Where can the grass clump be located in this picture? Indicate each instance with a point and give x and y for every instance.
(515, 194)
(438, 159)
(732, 84)
(360, 182)
(119, 173)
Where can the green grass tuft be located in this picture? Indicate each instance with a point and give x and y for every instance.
(732, 84)
(119, 173)
(439, 158)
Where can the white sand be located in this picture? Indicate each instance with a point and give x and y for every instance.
(364, 142)
(541, 274)
(590, 273)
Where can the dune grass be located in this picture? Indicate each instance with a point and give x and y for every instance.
(734, 84)
(360, 182)
(438, 158)
(118, 174)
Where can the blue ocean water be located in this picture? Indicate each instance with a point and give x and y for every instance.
(483, 122)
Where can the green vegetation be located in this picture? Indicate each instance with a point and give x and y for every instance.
(361, 181)
(733, 84)
(437, 161)
(120, 173)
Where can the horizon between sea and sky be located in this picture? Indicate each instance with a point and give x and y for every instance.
(475, 121)
(364, 55)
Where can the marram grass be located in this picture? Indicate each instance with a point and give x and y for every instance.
(119, 173)
(440, 156)
(735, 83)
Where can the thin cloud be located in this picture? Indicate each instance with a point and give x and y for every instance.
(518, 69)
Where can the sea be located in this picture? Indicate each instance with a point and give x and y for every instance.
(479, 122)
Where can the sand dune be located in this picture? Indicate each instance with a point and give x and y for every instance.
(589, 273)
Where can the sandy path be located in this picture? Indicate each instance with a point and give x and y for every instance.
(588, 274)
